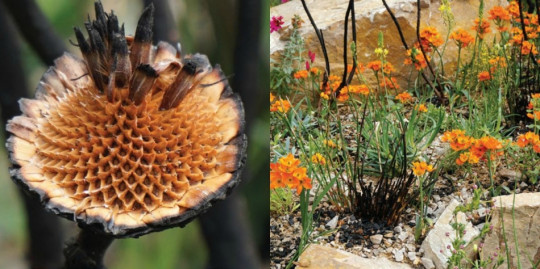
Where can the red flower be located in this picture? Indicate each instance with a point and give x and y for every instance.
(275, 23)
(311, 56)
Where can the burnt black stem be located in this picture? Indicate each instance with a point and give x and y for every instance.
(426, 79)
(346, 80)
(323, 46)
(87, 251)
(437, 91)
(44, 235)
(396, 23)
(525, 37)
(353, 24)
(36, 29)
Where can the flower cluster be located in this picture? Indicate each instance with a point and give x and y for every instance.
(404, 97)
(531, 139)
(361, 89)
(482, 27)
(287, 173)
(473, 150)
(280, 105)
(275, 23)
(533, 109)
(462, 38)
(417, 57)
(421, 108)
(430, 38)
(420, 168)
(317, 158)
(483, 76)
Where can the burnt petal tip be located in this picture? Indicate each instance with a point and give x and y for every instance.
(144, 33)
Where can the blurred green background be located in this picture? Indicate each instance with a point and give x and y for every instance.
(173, 248)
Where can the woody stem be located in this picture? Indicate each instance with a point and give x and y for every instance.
(87, 251)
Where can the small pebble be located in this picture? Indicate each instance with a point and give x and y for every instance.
(332, 224)
(411, 255)
(376, 239)
(388, 235)
(398, 229)
(398, 255)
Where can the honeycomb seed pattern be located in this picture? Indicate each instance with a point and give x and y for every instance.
(124, 156)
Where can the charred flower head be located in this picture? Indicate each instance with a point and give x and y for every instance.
(133, 138)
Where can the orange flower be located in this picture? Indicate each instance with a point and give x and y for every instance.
(513, 9)
(404, 97)
(388, 68)
(535, 96)
(483, 76)
(517, 36)
(417, 57)
(389, 83)
(375, 65)
(301, 74)
(361, 89)
(430, 38)
(527, 48)
(421, 108)
(282, 106)
(272, 98)
(496, 63)
(490, 143)
(314, 70)
(528, 138)
(498, 13)
(343, 96)
(420, 168)
(457, 139)
(462, 38)
(482, 27)
(535, 115)
(334, 78)
(287, 173)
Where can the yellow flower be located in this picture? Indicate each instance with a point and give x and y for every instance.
(317, 158)
(420, 168)
(329, 143)
(282, 106)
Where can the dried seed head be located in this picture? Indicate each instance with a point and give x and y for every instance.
(133, 138)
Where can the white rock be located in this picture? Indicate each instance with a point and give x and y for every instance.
(436, 240)
(332, 224)
(398, 255)
(526, 216)
(411, 255)
(403, 236)
(428, 263)
(376, 239)
(397, 229)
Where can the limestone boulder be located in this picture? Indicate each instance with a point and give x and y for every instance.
(524, 224)
(322, 257)
(371, 18)
(435, 245)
